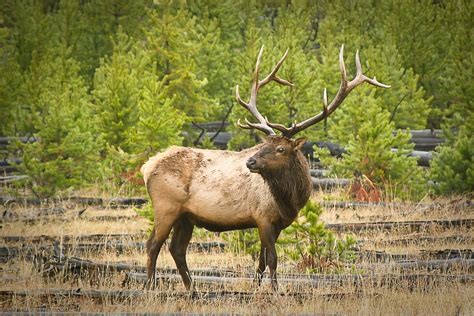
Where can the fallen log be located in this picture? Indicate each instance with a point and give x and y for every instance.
(8, 253)
(49, 211)
(446, 254)
(7, 169)
(5, 140)
(115, 202)
(417, 240)
(10, 162)
(426, 133)
(328, 183)
(73, 238)
(355, 204)
(435, 264)
(320, 281)
(118, 201)
(12, 179)
(63, 217)
(423, 157)
(396, 205)
(319, 173)
(79, 266)
(413, 225)
(127, 295)
(8, 166)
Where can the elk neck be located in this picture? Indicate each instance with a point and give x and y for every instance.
(291, 187)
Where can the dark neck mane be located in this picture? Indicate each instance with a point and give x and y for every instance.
(291, 186)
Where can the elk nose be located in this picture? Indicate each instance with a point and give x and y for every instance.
(251, 163)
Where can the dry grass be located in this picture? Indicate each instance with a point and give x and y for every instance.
(372, 298)
(425, 299)
(72, 225)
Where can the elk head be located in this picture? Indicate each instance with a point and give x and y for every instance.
(277, 151)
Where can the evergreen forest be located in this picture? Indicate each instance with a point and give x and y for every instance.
(102, 85)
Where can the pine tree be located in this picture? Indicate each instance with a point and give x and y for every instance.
(174, 44)
(452, 168)
(270, 98)
(116, 92)
(31, 29)
(137, 114)
(65, 154)
(406, 100)
(294, 29)
(367, 134)
(456, 92)
(160, 123)
(101, 21)
(10, 81)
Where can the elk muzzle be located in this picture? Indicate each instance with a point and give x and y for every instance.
(252, 165)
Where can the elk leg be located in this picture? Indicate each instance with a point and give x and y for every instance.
(262, 264)
(182, 233)
(268, 237)
(161, 230)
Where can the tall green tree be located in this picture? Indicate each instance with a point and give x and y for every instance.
(117, 88)
(10, 81)
(367, 134)
(101, 20)
(174, 44)
(157, 112)
(133, 105)
(65, 155)
(452, 167)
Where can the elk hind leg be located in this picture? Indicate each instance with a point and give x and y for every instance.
(161, 230)
(182, 233)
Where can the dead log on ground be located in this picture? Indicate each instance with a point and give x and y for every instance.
(417, 240)
(8, 253)
(114, 202)
(73, 238)
(321, 281)
(328, 183)
(412, 225)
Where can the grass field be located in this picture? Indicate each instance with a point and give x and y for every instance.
(54, 259)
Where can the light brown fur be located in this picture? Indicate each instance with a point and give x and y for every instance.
(216, 190)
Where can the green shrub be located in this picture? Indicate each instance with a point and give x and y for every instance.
(312, 246)
(452, 167)
(366, 132)
(307, 242)
(66, 153)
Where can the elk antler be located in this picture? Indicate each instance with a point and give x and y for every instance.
(251, 106)
(344, 89)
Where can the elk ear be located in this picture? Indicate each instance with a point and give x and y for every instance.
(298, 143)
(261, 138)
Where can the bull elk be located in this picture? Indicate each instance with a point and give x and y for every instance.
(262, 187)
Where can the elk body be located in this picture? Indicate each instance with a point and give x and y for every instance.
(262, 187)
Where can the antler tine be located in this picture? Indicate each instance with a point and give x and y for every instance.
(251, 106)
(344, 89)
(239, 99)
(360, 77)
(325, 101)
(272, 75)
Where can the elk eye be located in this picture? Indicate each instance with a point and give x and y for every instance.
(281, 149)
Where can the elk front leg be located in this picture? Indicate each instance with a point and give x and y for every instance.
(182, 233)
(268, 256)
(262, 264)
